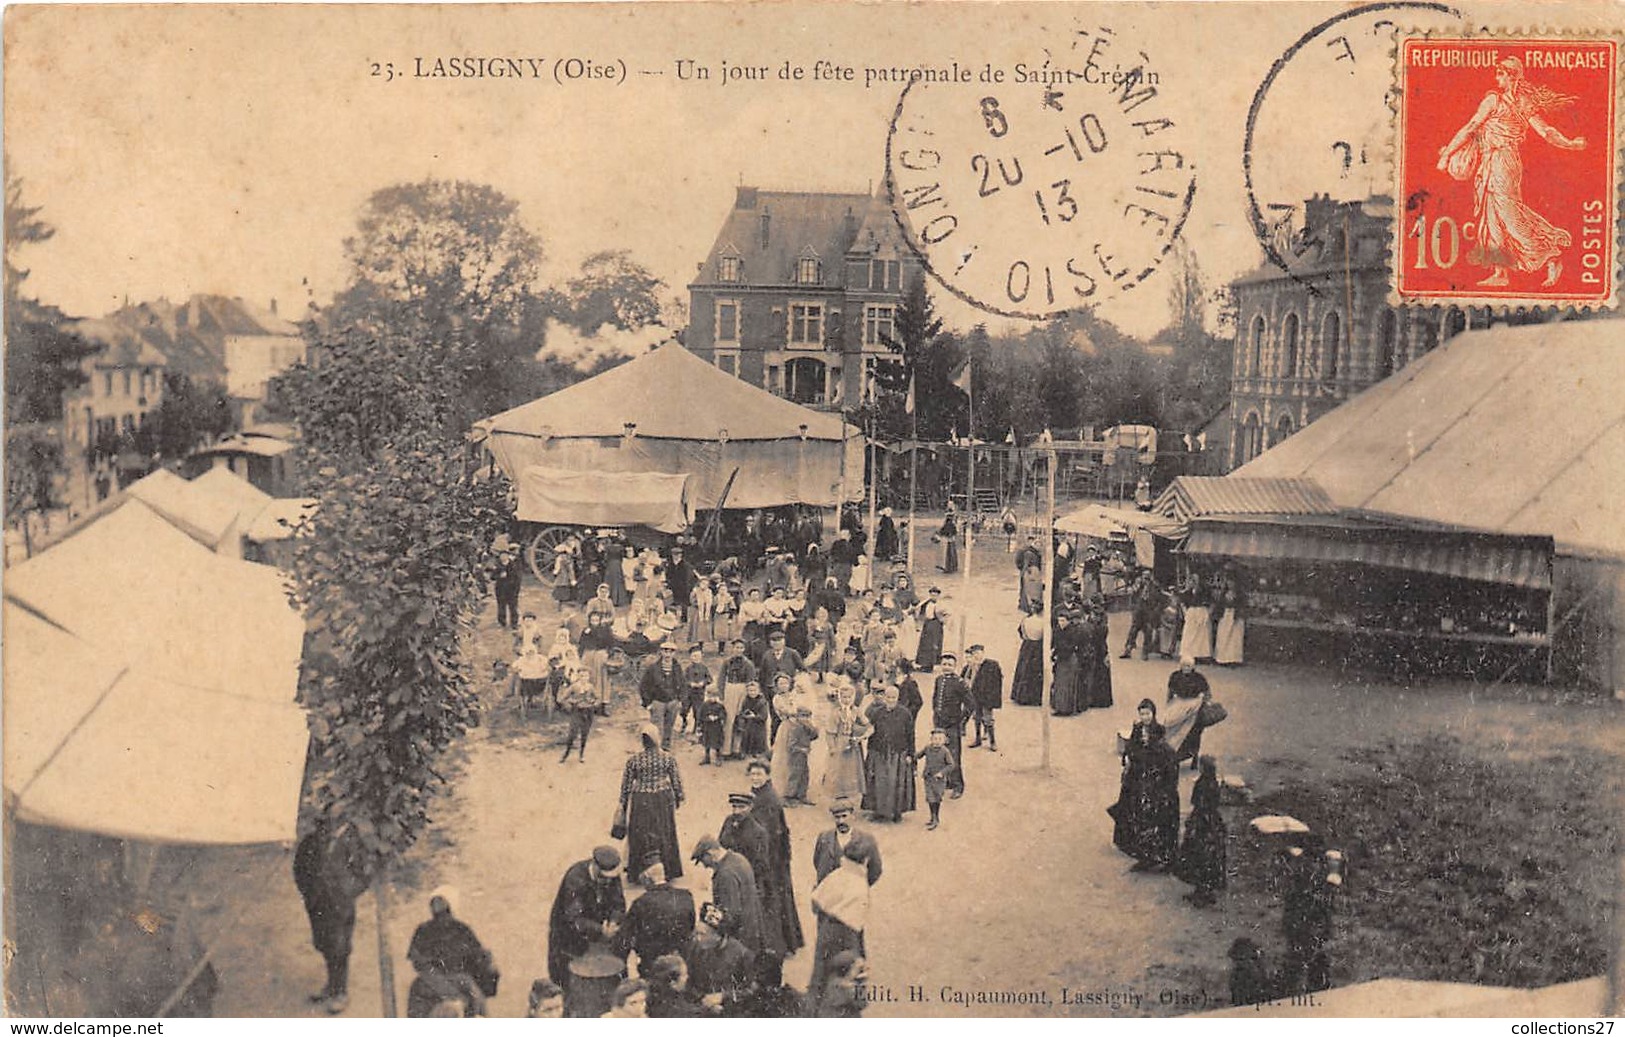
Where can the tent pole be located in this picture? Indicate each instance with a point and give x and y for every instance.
(913, 477)
(1048, 598)
(386, 964)
(874, 478)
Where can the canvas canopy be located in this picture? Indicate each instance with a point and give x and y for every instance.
(207, 517)
(686, 417)
(559, 495)
(277, 519)
(1097, 520)
(149, 688)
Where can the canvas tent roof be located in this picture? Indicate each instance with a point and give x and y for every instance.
(136, 587)
(1097, 520)
(226, 485)
(206, 517)
(671, 394)
(149, 688)
(1510, 430)
(277, 519)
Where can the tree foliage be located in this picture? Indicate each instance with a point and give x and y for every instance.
(43, 356)
(931, 357)
(190, 415)
(448, 271)
(612, 289)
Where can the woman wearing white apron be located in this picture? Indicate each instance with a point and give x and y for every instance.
(1232, 628)
(737, 671)
(1197, 641)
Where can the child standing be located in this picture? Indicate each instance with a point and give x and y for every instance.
(579, 700)
(529, 677)
(724, 605)
(799, 736)
(750, 725)
(698, 678)
(702, 601)
(709, 718)
(936, 764)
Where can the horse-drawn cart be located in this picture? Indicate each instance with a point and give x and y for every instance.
(556, 504)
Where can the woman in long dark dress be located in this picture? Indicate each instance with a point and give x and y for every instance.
(1097, 668)
(651, 793)
(778, 894)
(1065, 699)
(891, 759)
(929, 651)
(885, 538)
(1202, 855)
(615, 573)
(949, 535)
(1027, 683)
(1147, 808)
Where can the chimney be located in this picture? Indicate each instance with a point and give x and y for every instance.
(767, 221)
(273, 306)
(849, 225)
(744, 197)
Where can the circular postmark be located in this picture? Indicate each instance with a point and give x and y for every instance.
(1050, 192)
(1321, 122)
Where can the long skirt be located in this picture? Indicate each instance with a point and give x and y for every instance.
(891, 785)
(1201, 859)
(1228, 638)
(1032, 587)
(929, 652)
(733, 696)
(908, 636)
(1197, 641)
(1097, 683)
(615, 576)
(651, 825)
(1065, 698)
(833, 937)
(1027, 684)
(1168, 631)
(596, 661)
(843, 773)
(950, 555)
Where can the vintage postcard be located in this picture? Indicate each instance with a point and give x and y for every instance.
(1102, 511)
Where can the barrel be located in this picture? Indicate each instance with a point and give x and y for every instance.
(593, 979)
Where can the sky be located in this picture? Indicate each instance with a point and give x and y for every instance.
(222, 149)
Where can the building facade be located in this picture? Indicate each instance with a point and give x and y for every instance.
(798, 293)
(1309, 340)
(125, 384)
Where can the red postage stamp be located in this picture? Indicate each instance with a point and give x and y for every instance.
(1507, 168)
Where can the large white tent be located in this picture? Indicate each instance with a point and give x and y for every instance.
(149, 688)
(669, 411)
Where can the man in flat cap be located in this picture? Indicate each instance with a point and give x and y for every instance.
(662, 689)
(986, 680)
(661, 921)
(588, 909)
(733, 888)
(832, 843)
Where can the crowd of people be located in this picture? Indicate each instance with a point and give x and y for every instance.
(809, 670)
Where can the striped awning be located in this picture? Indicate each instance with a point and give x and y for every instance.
(1520, 561)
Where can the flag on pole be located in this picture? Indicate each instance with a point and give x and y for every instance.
(1011, 437)
(908, 404)
(962, 379)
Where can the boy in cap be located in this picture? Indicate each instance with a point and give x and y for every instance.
(798, 740)
(936, 764)
(697, 676)
(710, 718)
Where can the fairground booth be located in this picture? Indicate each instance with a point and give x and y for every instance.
(1461, 516)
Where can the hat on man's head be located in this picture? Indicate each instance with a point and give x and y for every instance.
(608, 860)
(741, 799)
(705, 845)
(947, 657)
(843, 805)
(668, 646)
(775, 634)
(975, 648)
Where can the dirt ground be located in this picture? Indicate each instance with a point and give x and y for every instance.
(1020, 892)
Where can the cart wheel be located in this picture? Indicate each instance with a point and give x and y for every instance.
(539, 552)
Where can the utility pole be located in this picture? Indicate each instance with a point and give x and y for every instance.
(1049, 602)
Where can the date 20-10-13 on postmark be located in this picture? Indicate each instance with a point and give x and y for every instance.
(1507, 169)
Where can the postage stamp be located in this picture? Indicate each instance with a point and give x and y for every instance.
(1507, 168)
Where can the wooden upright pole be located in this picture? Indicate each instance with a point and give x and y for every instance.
(1049, 604)
(386, 964)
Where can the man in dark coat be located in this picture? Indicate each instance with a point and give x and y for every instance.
(662, 688)
(776, 885)
(733, 888)
(660, 921)
(778, 659)
(742, 834)
(1148, 600)
(721, 970)
(832, 844)
(588, 909)
(506, 580)
(986, 680)
(329, 879)
(952, 704)
(842, 556)
(680, 579)
(1028, 557)
(885, 537)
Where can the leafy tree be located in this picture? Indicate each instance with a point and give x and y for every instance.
(447, 270)
(614, 289)
(931, 358)
(43, 356)
(190, 415)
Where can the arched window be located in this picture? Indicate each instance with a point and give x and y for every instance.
(1387, 343)
(1255, 353)
(1284, 428)
(1331, 346)
(1252, 437)
(1289, 347)
(804, 380)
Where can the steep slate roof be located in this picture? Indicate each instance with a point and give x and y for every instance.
(1509, 430)
(671, 394)
(192, 336)
(797, 221)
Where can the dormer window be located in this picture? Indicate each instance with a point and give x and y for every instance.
(808, 270)
(728, 269)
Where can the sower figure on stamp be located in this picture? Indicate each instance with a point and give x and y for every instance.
(1488, 149)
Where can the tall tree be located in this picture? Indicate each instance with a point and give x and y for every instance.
(446, 269)
(931, 357)
(191, 414)
(614, 289)
(43, 356)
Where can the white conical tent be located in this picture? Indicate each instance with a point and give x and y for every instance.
(149, 689)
